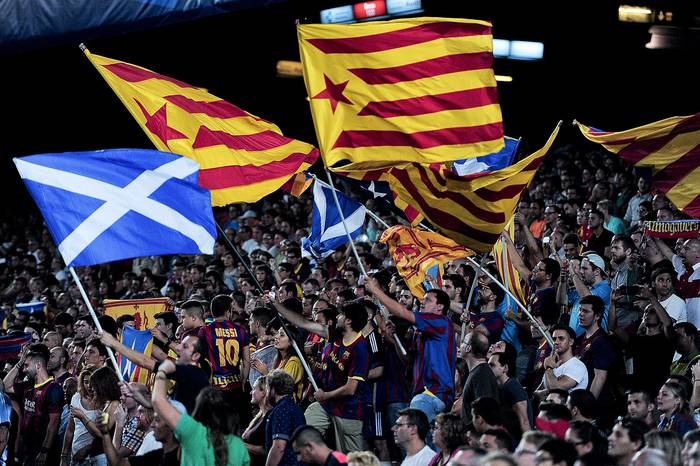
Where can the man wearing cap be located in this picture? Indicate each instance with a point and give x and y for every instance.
(590, 279)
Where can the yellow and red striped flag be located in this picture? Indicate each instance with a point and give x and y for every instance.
(409, 90)
(504, 264)
(242, 157)
(416, 251)
(472, 212)
(670, 147)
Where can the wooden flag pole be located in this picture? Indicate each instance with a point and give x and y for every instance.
(96, 321)
(307, 369)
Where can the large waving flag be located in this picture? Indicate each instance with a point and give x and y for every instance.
(472, 212)
(415, 252)
(409, 90)
(327, 231)
(242, 157)
(670, 147)
(117, 204)
(137, 340)
(485, 164)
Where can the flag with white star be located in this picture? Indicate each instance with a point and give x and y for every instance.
(388, 93)
(242, 157)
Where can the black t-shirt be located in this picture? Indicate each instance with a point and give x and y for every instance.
(189, 381)
(156, 458)
(651, 360)
(481, 382)
(599, 243)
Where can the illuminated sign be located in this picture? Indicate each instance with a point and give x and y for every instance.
(403, 7)
(342, 14)
(366, 10)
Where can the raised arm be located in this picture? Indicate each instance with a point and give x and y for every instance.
(515, 257)
(296, 319)
(132, 355)
(372, 285)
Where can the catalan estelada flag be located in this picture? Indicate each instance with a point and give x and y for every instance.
(242, 157)
(143, 310)
(473, 212)
(137, 340)
(416, 251)
(409, 90)
(504, 264)
(670, 147)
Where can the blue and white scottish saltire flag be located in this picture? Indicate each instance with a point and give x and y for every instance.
(479, 166)
(117, 204)
(327, 231)
(34, 306)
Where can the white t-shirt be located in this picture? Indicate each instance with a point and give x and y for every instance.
(81, 436)
(149, 444)
(675, 307)
(575, 369)
(422, 458)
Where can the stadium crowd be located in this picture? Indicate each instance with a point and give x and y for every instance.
(445, 380)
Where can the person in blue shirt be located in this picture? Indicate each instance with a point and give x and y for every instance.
(590, 279)
(283, 419)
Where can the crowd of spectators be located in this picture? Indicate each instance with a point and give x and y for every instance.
(448, 379)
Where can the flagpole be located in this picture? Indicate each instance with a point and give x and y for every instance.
(542, 329)
(307, 369)
(471, 293)
(345, 226)
(97, 322)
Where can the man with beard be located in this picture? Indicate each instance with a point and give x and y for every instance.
(590, 279)
(624, 254)
(345, 368)
(641, 406)
(632, 214)
(41, 402)
(58, 364)
(562, 369)
(599, 241)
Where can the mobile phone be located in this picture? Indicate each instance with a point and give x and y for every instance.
(630, 289)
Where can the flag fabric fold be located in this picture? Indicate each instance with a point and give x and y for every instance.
(242, 157)
(143, 310)
(327, 230)
(415, 252)
(504, 264)
(137, 340)
(408, 90)
(11, 345)
(471, 211)
(485, 164)
(117, 204)
(670, 147)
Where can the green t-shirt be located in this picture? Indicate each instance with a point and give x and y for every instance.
(196, 449)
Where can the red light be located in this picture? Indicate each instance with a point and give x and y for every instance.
(369, 9)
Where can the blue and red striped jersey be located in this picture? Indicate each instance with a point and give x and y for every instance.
(226, 341)
(339, 363)
(436, 356)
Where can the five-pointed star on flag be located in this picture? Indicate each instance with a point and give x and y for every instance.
(158, 124)
(375, 192)
(333, 92)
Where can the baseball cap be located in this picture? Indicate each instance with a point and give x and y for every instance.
(596, 260)
(248, 214)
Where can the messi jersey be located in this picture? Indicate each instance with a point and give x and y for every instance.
(436, 356)
(340, 362)
(226, 341)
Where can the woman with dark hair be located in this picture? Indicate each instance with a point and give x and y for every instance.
(78, 439)
(104, 386)
(286, 359)
(208, 437)
(675, 412)
(448, 435)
